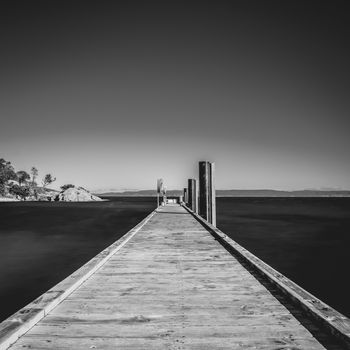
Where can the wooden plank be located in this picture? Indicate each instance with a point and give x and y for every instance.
(167, 340)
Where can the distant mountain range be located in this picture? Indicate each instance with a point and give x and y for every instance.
(236, 193)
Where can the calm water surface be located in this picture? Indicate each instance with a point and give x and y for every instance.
(41, 243)
(307, 239)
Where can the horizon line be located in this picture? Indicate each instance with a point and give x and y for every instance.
(231, 189)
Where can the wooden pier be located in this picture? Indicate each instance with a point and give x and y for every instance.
(170, 283)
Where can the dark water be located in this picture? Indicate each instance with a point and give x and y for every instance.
(307, 239)
(42, 243)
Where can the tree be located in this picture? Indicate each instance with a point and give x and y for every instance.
(65, 187)
(7, 173)
(2, 189)
(34, 172)
(22, 176)
(20, 191)
(48, 179)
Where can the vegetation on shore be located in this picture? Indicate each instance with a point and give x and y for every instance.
(20, 184)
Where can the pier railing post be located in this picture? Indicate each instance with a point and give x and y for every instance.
(192, 194)
(159, 189)
(207, 199)
(213, 194)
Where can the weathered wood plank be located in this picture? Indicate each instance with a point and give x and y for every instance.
(164, 341)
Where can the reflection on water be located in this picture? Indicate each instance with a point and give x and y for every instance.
(41, 243)
(307, 239)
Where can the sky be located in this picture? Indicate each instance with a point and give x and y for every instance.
(113, 95)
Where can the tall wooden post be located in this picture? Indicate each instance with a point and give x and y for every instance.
(185, 196)
(192, 194)
(207, 200)
(160, 186)
(213, 194)
(204, 190)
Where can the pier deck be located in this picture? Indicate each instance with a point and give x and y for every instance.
(171, 286)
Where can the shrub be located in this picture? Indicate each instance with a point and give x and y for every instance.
(65, 187)
(2, 189)
(20, 191)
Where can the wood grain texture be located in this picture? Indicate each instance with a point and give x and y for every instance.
(171, 286)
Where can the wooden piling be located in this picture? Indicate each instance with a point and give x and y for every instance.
(192, 194)
(213, 194)
(207, 202)
(159, 189)
(203, 190)
(185, 196)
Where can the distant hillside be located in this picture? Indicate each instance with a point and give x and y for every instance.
(236, 193)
